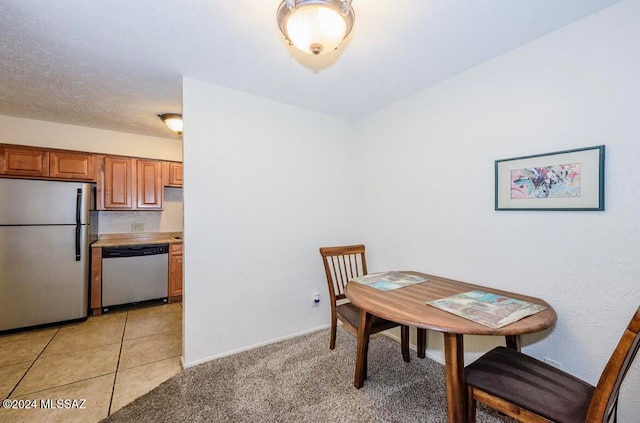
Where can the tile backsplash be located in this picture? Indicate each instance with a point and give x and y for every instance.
(168, 220)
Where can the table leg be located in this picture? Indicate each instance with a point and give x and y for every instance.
(454, 371)
(404, 339)
(364, 329)
(513, 342)
(422, 342)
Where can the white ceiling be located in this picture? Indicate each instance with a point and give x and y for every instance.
(117, 64)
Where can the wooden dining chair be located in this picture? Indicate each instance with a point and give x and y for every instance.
(532, 391)
(341, 264)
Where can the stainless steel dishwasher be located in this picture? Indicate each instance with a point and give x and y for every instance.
(134, 273)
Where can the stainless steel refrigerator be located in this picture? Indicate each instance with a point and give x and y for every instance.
(45, 232)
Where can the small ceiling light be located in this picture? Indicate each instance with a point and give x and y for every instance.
(173, 122)
(315, 26)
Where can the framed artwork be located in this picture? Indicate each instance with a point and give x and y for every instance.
(564, 180)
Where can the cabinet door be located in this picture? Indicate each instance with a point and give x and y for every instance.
(175, 272)
(150, 188)
(68, 165)
(96, 280)
(118, 183)
(24, 161)
(175, 174)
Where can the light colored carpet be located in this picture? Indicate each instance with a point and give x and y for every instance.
(301, 380)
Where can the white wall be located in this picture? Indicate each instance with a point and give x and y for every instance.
(37, 133)
(427, 186)
(266, 184)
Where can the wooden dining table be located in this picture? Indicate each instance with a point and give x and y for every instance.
(407, 306)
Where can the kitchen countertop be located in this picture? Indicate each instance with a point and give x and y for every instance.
(137, 238)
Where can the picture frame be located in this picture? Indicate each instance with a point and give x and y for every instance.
(562, 180)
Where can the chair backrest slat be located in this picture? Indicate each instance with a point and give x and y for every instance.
(341, 264)
(606, 393)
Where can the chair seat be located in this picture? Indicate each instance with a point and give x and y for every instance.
(351, 313)
(531, 384)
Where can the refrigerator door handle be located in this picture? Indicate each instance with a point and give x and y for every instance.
(78, 205)
(78, 254)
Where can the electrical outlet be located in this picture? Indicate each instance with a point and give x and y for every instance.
(137, 227)
(316, 299)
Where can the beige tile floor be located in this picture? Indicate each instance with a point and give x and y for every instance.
(103, 364)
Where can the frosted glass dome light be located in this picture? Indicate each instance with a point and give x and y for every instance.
(315, 26)
(173, 121)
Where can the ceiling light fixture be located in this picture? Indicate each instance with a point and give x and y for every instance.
(173, 121)
(315, 26)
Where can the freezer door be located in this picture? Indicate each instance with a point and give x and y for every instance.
(40, 280)
(29, 202)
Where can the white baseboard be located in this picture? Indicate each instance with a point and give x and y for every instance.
(250, 347)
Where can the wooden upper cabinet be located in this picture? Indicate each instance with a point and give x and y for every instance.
(175, 174)
(172, 174)
(126, 183)
(118, 183)
(72, 165)
(24, 161)
(43, 163)
(123, 183)
(149, 181)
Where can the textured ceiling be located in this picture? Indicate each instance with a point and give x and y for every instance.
(117, 64)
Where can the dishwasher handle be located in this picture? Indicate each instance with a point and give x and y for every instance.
(134, 251)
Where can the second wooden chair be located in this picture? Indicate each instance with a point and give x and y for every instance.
(533, 391)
